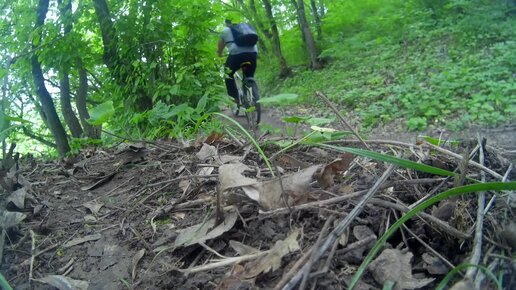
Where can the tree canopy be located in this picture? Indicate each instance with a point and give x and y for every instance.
(148, 69)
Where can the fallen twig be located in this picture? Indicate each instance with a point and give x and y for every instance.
(459, 157)
(428, 247)
(32, 257)
(477, 240)
(342, 226)
(439, 223)
(330, 104)
(311, 261)
(300, 262)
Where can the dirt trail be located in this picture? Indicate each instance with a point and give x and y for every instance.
(143, 216)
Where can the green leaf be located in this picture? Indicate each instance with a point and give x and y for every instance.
(294, 119)
(16, 119)
(391, 159)
(318, 121)
(281, 99)
(101, 113)
(201, 105)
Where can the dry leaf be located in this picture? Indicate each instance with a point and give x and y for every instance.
(205, 170)
(17, 198)
(296, 186)
(434, 265)
(206, 152)
(508, 234)
(272, 261)
(93, 206)
(394, 265)
(202, 232)
(214, 137)
(136, 258)
(325, 179)
(230, 176)
(242, 249)
(235, 280)
(10, 219)
(101, 181)
(223, 159)
(82, 240)
(64, 283)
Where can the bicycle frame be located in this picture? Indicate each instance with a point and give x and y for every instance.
(248, 100)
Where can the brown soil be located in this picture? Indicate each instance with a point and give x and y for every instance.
(129, 201)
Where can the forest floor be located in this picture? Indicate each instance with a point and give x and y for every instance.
(210, 214)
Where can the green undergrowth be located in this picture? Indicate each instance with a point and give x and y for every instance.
(453, 72)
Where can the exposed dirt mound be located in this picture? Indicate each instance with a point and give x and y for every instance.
(214, 215)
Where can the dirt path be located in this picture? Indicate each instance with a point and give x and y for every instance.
(143, 216)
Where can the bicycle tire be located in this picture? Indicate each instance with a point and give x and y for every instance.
(251, 97)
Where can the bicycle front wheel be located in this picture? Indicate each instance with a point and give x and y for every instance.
(253, 108)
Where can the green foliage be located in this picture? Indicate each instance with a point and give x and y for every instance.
(4, 284)
(101, 113)
(431, 63)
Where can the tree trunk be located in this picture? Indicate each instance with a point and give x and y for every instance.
(251, 15)
(80, 102)
(317, 19)
(109, 39)
(296, 7)
(47, 104)
(310, 42)
(276, 44)
(112, 60)
(64, 78)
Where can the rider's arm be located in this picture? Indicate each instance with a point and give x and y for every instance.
(220, 46)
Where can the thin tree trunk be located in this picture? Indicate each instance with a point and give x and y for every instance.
(252, 16)
(276, 44)
(317, 19)
(296, 7)
(64, 79)
(47, 104)
(109, 39)
(310, 42)
(80, 102)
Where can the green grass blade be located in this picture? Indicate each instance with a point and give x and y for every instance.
(248, 135)
(444, 195)
(391, 159)
(460, 267)
(4, 284)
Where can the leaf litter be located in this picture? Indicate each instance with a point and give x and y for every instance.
(144, 215)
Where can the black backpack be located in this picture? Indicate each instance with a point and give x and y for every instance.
(244, 34)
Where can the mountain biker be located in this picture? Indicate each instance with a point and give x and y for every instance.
(237, 56)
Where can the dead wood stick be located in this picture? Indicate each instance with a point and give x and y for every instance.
(504, 179)
(32, 256)
(324, 268)
(316, 204)
(342, 226)
(300, 262)
(481, 203)
(222, 263)
(439, 223)
(429, 247)
(374, 141)
(330, 104)
(2, 243)
(312, 260)
(459, 157)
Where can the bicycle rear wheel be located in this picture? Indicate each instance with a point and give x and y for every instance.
(253, 108)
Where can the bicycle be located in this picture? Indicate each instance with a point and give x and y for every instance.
(248, 96)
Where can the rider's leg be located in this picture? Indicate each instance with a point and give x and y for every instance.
(232, 65)
(249, 57)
